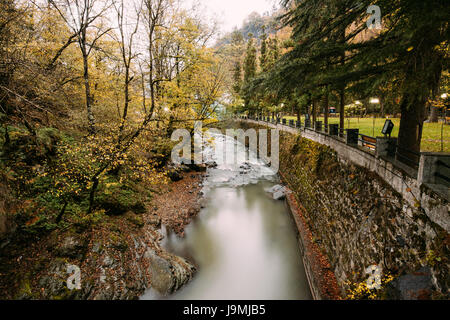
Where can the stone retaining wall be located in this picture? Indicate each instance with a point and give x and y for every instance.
(364, 211)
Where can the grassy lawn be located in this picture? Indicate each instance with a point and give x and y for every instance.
(431, 139)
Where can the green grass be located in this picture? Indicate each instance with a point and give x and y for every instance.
(431, 138)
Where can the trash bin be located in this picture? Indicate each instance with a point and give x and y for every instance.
(352, 136)
(318, 126)
(333, 129)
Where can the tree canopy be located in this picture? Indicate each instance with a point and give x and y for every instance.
(333, 51)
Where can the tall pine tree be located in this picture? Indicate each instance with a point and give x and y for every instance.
(334, 49)
(250, 66)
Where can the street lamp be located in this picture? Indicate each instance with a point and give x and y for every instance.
(374, 101)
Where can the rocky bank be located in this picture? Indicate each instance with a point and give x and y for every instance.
(119, 258)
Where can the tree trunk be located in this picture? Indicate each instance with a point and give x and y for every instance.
(91, 119)
(411, 126)
(435, 92)
(61, 213)
(151, 68)
(126, 101)
(434, 115)
(341, 111)
(326, 109)
(144, 98)
(92, 194)
(383, 114)
(314, 113)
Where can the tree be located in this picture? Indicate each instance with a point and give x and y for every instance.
(334, 49)
(237, 77)
(263, 51)
(80, 17)
(249, 71)
(250, 62)
(127, 51)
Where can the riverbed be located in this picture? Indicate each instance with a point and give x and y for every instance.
(243, 242)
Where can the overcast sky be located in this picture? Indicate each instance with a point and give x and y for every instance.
(232, 13)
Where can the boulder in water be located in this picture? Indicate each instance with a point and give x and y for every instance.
(278, 192)
(169, 273)
(174, 175)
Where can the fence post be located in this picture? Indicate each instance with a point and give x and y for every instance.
(307, 123)
(434, 168)
(386, 147)
(333, 129)
(352, 136)
(318, 127)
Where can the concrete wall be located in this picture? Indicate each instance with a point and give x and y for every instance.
(416, 191)
(363, 210)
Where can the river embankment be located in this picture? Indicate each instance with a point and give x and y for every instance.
(359, 222)
(118, 258)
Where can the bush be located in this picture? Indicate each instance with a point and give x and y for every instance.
(117, 199)
(354, 110)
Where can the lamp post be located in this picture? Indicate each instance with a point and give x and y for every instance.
(374, 101)
(444, 96)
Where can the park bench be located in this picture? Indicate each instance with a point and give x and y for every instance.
(368, 142)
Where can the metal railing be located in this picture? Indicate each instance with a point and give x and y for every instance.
(442, 172)
(354, 139)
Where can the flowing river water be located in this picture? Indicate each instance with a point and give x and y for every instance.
(243, 242)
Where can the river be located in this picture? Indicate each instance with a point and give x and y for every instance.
(243, 242)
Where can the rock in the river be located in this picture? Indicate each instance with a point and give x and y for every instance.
(414, 286)
(211, 164)
(278, 192)
(245, 168)
(197, 167)
(168, 274)
(184, 168)
(279, 195)
(174, 175)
